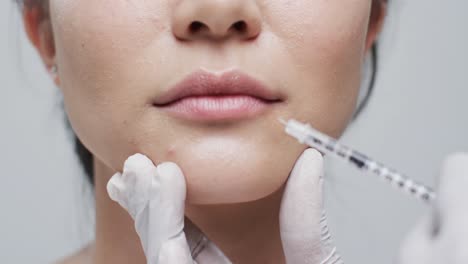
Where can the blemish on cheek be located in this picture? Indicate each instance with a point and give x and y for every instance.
(171, 151)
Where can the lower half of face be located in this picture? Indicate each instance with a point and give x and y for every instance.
(115, 58)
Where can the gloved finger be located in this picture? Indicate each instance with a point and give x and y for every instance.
(417, 243)
(175, 250)
(116, 188)
(203, 251)
(131, 188)
(452, 192)
(301, 210)
(329, 249)
(118, 192)
(211, 254)
(441, 236)
(165, 216)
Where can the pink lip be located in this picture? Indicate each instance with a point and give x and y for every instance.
(206, 96)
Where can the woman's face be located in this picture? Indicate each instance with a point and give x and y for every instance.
(116, 57)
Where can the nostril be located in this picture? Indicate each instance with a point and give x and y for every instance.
(218, 30)
(196, 26)
(240, 26)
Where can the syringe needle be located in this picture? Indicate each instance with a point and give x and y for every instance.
(282, 121)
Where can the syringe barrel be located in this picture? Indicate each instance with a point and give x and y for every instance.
(305, 134)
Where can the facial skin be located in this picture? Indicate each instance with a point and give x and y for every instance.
(114, 57)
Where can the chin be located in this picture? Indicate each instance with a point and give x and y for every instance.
(222, 171)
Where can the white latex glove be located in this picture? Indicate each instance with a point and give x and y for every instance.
(442, 236)
(155, 199)
(304, 231)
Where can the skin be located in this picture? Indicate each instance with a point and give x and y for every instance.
(114, 57)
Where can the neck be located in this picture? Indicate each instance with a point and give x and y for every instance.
(116, 239)
(245, 232)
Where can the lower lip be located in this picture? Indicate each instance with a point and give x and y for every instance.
(221, 107)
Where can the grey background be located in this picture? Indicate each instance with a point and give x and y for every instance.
(416, 117)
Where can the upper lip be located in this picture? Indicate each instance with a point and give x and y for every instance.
(229, 83)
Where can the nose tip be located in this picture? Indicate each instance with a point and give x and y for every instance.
(216, 19)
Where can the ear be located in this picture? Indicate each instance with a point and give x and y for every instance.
(376, 21)
(39, 31)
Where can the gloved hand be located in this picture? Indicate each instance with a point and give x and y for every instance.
(155, 198)
(442, 236)
(304, 231)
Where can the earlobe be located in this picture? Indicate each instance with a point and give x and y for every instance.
(30, 18)
(376, 22)
(39, 31)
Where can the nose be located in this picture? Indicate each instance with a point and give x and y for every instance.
(216, 19)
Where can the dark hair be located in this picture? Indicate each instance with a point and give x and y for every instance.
(85, 156)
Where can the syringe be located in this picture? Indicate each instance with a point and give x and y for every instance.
(305, 134)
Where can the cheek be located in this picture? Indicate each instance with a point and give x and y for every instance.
(320, 30)
(325, 43)
(101, 49)
(100, 43)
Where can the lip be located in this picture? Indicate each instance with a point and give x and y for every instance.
(207, 96)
